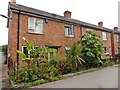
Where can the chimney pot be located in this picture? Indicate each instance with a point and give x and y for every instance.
(116, 28)
(13, 1)
(100, 24)
(67, 14)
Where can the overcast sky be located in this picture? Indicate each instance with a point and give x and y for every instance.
(91, 11)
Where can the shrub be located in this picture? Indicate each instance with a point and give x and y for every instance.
(61, 63)
(91, 48)
(34, 73)
(64, 67)
(108, 63)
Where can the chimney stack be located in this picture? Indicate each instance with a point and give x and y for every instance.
(13, 1)
(100, 24)
(67, 14)
(116, 28)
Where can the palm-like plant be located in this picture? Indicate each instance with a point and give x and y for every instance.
(74, 55)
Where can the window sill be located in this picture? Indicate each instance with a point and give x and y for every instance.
(104, 39)
(106, 53)
(35, 33)
(70, 36)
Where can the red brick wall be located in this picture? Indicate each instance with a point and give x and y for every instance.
(12, 39)
(53, 34)
(115, 43)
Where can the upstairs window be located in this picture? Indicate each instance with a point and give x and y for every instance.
(35, 25)
(69, 31)
(104, 35)
(106, 50)
(117, 37)
(89, 29)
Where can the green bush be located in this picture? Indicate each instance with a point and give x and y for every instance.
(108, 63)
(34, 73)
(64, 67)
(61, 63)
(91, 48)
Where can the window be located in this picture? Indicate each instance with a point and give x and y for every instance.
(89, 29)
(35, 25)
(67, 50)
(26, 52)
(69, 31)
(104, 36)
(106, 50)
(117, 38)
(117, 50)
(51, 54)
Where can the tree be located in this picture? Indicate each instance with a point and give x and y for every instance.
(91, 48)
(4, 48)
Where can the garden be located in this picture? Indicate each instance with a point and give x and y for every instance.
(83, 55)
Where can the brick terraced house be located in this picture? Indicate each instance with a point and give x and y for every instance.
(53, 31)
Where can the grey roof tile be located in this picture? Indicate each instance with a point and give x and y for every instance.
(55, 16)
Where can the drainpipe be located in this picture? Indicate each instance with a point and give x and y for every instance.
(18, 37)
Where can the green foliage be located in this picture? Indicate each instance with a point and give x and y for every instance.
(35, 53)
(34, 73)
(4, 48)
(64, 67)
(108, 63)
(91, 48)
(22, 54)
(61, 63)
(74, 55)
(58, 57)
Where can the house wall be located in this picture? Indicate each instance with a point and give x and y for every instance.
(115, 43)
(53, 33)
(12, 39)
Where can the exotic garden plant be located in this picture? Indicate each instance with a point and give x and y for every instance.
(74, 55)
(36, 53)
(37, 70)
(91, 48)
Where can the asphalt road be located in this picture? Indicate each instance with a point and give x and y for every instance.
(103, 78)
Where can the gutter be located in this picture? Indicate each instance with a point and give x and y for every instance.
(92, 27)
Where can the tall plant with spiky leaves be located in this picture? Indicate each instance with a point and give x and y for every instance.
(74, 55)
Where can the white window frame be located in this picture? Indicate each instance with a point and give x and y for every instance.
(107, 51)
(49, 55)
(67, 32)
(67, 48)
(117, 37)
(116, 50)
(104, 35)
(28, 51)
(34, 28)
(88, 29)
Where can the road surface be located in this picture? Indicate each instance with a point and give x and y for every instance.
(103, 78)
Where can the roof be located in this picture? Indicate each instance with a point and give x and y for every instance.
(30, 10)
